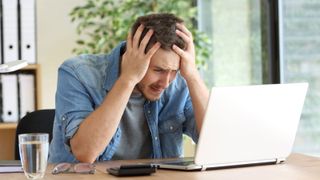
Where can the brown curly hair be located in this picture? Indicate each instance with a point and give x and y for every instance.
(164, 26)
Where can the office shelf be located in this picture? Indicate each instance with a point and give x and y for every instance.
(8, 126)
(8, 130)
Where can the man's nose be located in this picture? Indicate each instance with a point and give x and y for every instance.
(165, 80)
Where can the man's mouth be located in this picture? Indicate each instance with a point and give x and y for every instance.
(156, 89)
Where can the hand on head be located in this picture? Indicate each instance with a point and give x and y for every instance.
(187, 61)
(135, 61)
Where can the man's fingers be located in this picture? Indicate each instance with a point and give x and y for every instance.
(183, 28)
(153, 50)
(185, 38)
(129, 40)
(136, 37)
(179, 51)
(145, 40)
(186, 35)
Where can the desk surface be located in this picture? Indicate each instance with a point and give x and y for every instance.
(297, 167)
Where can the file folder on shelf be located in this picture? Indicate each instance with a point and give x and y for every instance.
(10, 30)
(1, 60)
(26, 93)
(28, 30)
(9, 98)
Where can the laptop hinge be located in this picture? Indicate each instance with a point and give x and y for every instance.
(203, 168)
(280, 160)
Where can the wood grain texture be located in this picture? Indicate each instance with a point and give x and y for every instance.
(297, 167)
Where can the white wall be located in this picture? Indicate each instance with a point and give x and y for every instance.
(55, 40)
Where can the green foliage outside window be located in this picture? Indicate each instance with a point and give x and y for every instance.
(102, 24)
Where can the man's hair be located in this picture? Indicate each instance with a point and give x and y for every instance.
(164, 27)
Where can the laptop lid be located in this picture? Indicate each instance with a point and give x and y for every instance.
(247, 125)
(250, 124)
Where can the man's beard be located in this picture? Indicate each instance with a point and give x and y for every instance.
(141, 87)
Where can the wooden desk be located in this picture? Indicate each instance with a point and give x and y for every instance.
(297, 167)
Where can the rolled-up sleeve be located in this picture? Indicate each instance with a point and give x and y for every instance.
(73, 103)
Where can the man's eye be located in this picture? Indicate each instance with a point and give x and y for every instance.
(159, 70)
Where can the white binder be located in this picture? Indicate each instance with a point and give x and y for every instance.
(10, 30)
(26, 93)
(1, 60)
(9, 98)
(28, 30)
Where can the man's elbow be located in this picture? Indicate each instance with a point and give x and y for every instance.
(85, 158)
(82, 154)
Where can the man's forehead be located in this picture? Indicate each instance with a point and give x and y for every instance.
(167, 60)
(167, 66)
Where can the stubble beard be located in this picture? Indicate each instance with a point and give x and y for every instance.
(141, 87)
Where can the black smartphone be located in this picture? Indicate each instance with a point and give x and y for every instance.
(132, 170)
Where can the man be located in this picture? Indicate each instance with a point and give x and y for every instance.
(135, 102)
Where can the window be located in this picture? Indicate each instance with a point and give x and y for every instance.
(259, 42)
(243, 38)
(300, 62)
(240, 32)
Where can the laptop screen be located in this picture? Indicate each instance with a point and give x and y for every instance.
(250, 123)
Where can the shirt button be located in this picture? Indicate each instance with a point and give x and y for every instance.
(156, 138)
(149, 112)
(171, 127)
(63, 118)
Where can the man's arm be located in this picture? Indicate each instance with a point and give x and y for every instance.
(199, 96)
(198, 91)
(97, 130)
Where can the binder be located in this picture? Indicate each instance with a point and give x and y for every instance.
(28, 30)
(1, 60)
(26, 93)
(9, 98)
(10, 30)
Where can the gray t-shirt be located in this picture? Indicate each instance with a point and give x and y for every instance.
(135, 140)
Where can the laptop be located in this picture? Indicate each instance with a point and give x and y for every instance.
(247, 125)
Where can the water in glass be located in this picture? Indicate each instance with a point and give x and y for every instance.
(34, 155)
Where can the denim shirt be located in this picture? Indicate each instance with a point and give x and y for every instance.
(84, 82)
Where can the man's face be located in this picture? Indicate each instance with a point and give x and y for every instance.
(162, 70)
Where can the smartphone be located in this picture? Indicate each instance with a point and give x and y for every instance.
(13, 66)
(132, 170)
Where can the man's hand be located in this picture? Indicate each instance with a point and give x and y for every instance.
(187, 63)
(198, 91)
(135, 61)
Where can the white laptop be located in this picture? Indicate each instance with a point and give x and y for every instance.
(247, 125)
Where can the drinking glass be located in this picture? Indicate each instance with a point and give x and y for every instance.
(33, 150)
